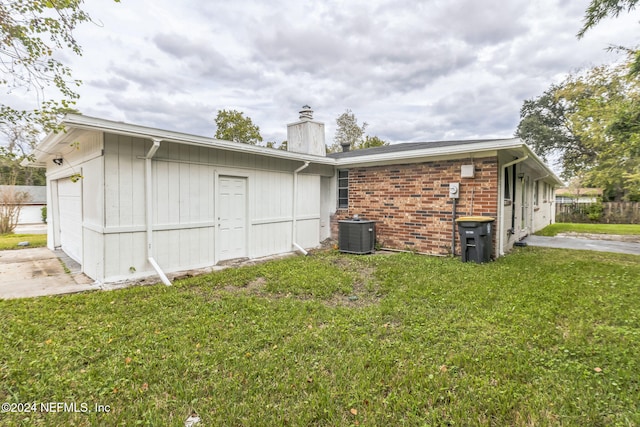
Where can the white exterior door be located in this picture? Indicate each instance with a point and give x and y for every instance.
(70, 217)
(232, 220)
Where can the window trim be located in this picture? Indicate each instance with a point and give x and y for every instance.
(343, 184)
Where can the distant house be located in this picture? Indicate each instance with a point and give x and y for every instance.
(578, 195)
(128, 201)
(31, 211)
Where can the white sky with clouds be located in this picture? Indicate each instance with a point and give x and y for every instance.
(414, 70)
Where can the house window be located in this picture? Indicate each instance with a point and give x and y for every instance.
(343, 189)
(536, 187)
(507, 193)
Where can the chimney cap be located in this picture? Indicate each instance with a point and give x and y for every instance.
(345, 147)
(306, 113)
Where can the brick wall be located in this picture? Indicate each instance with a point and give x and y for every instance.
(411, 204)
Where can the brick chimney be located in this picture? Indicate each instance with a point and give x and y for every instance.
(306, 136)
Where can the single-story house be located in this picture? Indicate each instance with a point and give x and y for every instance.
(31, 210)
(128, 201)
(578, 195)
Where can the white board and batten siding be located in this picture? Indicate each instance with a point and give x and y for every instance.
(124, 206)
(208, 205)
(183, 215)
(72, 205)
(308, 211)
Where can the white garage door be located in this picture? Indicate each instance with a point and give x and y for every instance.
(70, 209)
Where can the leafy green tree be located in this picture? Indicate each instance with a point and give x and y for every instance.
(272, 144)
(591, 122)
(20, 142)
(33, 34)
(371, 142)
(348, 132)
(600, 9)
(232, 125)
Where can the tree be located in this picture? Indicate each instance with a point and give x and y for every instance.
(11, 202)
(600, 9)
(33, 34)
(371, 142)
(232, 125)
(546, 127)
(348, 133)
(591, 121)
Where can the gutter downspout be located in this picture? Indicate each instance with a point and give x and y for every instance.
(295, 210)
(502, 172)
(149, 209)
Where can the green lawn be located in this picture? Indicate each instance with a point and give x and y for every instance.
(10, 241)
(542, 337)
(563, 227)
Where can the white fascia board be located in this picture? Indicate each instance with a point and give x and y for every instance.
(96, 124)
(408, 155)
(46, 148)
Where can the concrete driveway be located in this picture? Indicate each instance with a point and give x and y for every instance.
(602, 245)
(37, 272)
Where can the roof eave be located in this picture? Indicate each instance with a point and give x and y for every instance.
(73, 121)
(454, 150)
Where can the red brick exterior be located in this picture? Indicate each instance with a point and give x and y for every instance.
(411, 204)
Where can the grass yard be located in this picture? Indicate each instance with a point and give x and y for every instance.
(10, 241)
(542, 337)
(562, 227)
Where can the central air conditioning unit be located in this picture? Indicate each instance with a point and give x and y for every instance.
(356, 236)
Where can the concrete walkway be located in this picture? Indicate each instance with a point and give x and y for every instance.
(584, 244)
(39, 271)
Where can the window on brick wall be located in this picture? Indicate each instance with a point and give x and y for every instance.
(343, 188)
(536, 187)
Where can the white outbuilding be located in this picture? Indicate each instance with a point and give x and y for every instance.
(128, 201)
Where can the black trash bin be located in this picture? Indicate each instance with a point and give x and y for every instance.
(356, 236)
(475, 238)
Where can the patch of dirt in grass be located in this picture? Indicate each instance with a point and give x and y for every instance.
(365, 291)
(254, 287)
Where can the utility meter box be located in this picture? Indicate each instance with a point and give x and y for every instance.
(454, 190)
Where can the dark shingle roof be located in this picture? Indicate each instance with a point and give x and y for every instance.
(407, 146)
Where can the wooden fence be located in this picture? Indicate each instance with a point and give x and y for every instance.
(605, 213)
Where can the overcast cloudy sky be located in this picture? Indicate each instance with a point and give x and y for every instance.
(414, 70)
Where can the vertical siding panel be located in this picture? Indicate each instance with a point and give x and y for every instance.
(173, 191)
(194, 193)
(139, 257)
(125, 174)
(125, 253)
(161, 248)
(139, 150)
(111, 243)
(112, 207)
(183, 193)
